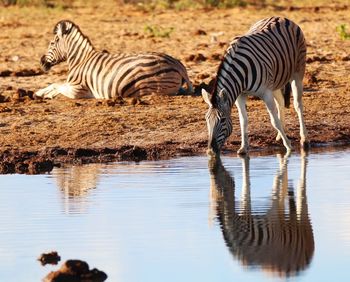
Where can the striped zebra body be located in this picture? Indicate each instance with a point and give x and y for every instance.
(278, 238)
(260, 63)
(95, 74)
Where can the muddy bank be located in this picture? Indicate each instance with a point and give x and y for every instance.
(35, 162)
(43, 161)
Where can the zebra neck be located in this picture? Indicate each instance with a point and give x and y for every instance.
(79, 49)
(232, 86)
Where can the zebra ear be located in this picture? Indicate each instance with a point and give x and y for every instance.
(206, 97)
(63, 27)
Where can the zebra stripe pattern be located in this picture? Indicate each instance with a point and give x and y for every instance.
(102, 75)
(279, 237)
(220, 127)
(260, 63)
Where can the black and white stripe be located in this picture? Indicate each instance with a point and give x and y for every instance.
(103, 75)
(278, 237)
(261, 63)
(266, 57)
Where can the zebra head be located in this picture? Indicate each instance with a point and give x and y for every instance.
(57, 51)
(218, 120)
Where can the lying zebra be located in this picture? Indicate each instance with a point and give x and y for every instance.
(95, 74)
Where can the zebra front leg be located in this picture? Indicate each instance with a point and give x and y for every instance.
(48, 92)
(246, 205)
(66, 89)
(279, 99)
(243, 120)
(297, 90)
(275, 121)
(302, 208)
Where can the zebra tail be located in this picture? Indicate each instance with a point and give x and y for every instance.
(286, 94)
(185, 79)
(190, 89)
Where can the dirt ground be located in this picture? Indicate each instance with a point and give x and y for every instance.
(36, 135)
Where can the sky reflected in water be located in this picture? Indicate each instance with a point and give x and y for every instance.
(258, 219)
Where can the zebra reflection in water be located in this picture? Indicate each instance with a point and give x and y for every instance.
(75, 182)
(280, 240)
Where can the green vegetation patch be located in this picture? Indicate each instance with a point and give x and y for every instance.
(342, 30)
(185, 4)
(157, 31)
(62, 4)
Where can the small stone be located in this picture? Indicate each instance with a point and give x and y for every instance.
(76, 270)
(4, 99)
(49, 258)
(200, 32)
(110, 103)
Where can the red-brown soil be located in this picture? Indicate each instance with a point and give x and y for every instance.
(36, 135)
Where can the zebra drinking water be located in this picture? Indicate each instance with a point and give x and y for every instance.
(95, 74)
(260, 63)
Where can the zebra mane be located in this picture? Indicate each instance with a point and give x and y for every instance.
(214, 90)
(66, 27)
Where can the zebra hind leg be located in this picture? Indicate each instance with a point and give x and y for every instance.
(280, 106)
(243, 120)
(297, 90)
(275, 121)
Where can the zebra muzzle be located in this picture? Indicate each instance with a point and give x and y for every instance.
(213, 148)
(45, 65)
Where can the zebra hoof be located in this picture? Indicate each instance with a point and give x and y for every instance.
(305, 144)
(287, 154)
(43, 93)
(242, 151)
(288, 150)
(212, 154)
(39, 94)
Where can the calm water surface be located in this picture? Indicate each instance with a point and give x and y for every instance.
(263, 219)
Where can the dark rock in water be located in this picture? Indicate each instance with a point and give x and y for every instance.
(76, 271)
(75, 266)
(49, 258)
